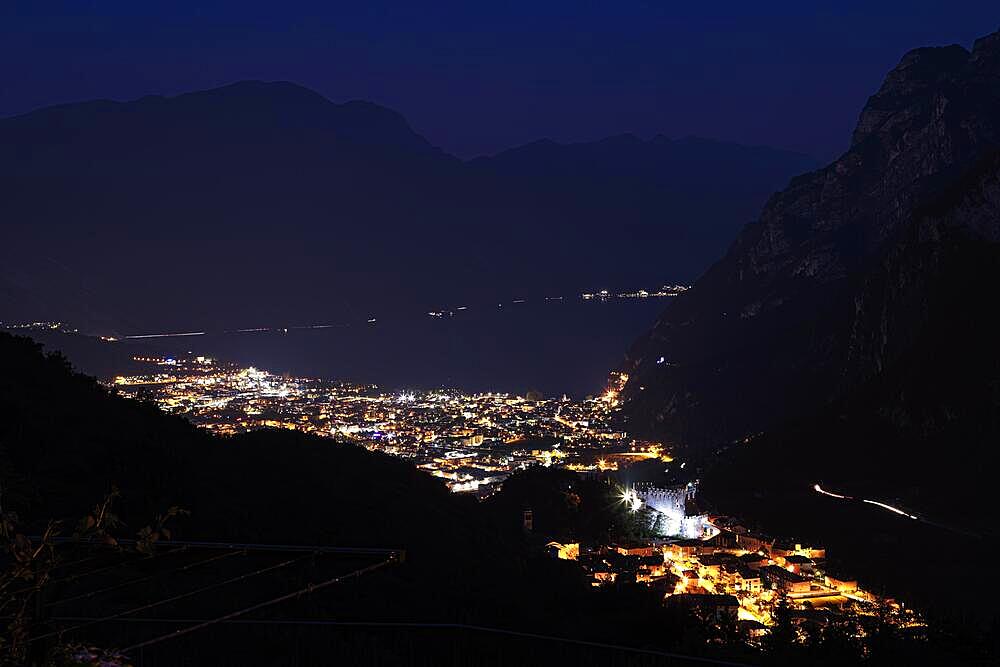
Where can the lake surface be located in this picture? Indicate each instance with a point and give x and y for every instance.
(554, 347)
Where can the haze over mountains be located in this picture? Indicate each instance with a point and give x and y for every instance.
(265, 203)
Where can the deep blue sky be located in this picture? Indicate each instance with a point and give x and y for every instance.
(477, 77)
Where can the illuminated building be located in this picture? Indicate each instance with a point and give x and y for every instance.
(673, 507)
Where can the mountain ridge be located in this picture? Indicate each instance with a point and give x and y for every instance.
(271, 189)
(760, 336)
(301, 107)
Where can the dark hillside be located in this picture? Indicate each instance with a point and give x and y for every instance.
(66, 441)
(827, 289)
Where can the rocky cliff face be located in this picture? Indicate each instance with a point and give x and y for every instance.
(830, 285)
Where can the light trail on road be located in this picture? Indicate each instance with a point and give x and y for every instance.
(167, 335)
(895, 510)
(819, 489)
(890, 508)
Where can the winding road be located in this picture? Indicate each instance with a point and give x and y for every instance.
(895, 510)
(820, 489)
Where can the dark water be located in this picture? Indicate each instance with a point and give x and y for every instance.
(554, 347)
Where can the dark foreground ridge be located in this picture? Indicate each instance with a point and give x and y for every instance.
(470, 589)
(404, 572)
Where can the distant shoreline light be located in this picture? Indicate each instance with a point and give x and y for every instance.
(602, 295)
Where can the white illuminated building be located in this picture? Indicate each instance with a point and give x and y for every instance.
(672, 511)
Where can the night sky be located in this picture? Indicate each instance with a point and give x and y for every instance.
(478, 77)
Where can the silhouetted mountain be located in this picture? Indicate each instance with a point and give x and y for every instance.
(663, 201)
(244, 107)
(43, 290)
(915, 432)
(265, 202)
(849, 336)
(671, 166)
(853, 325)
(841, 278)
